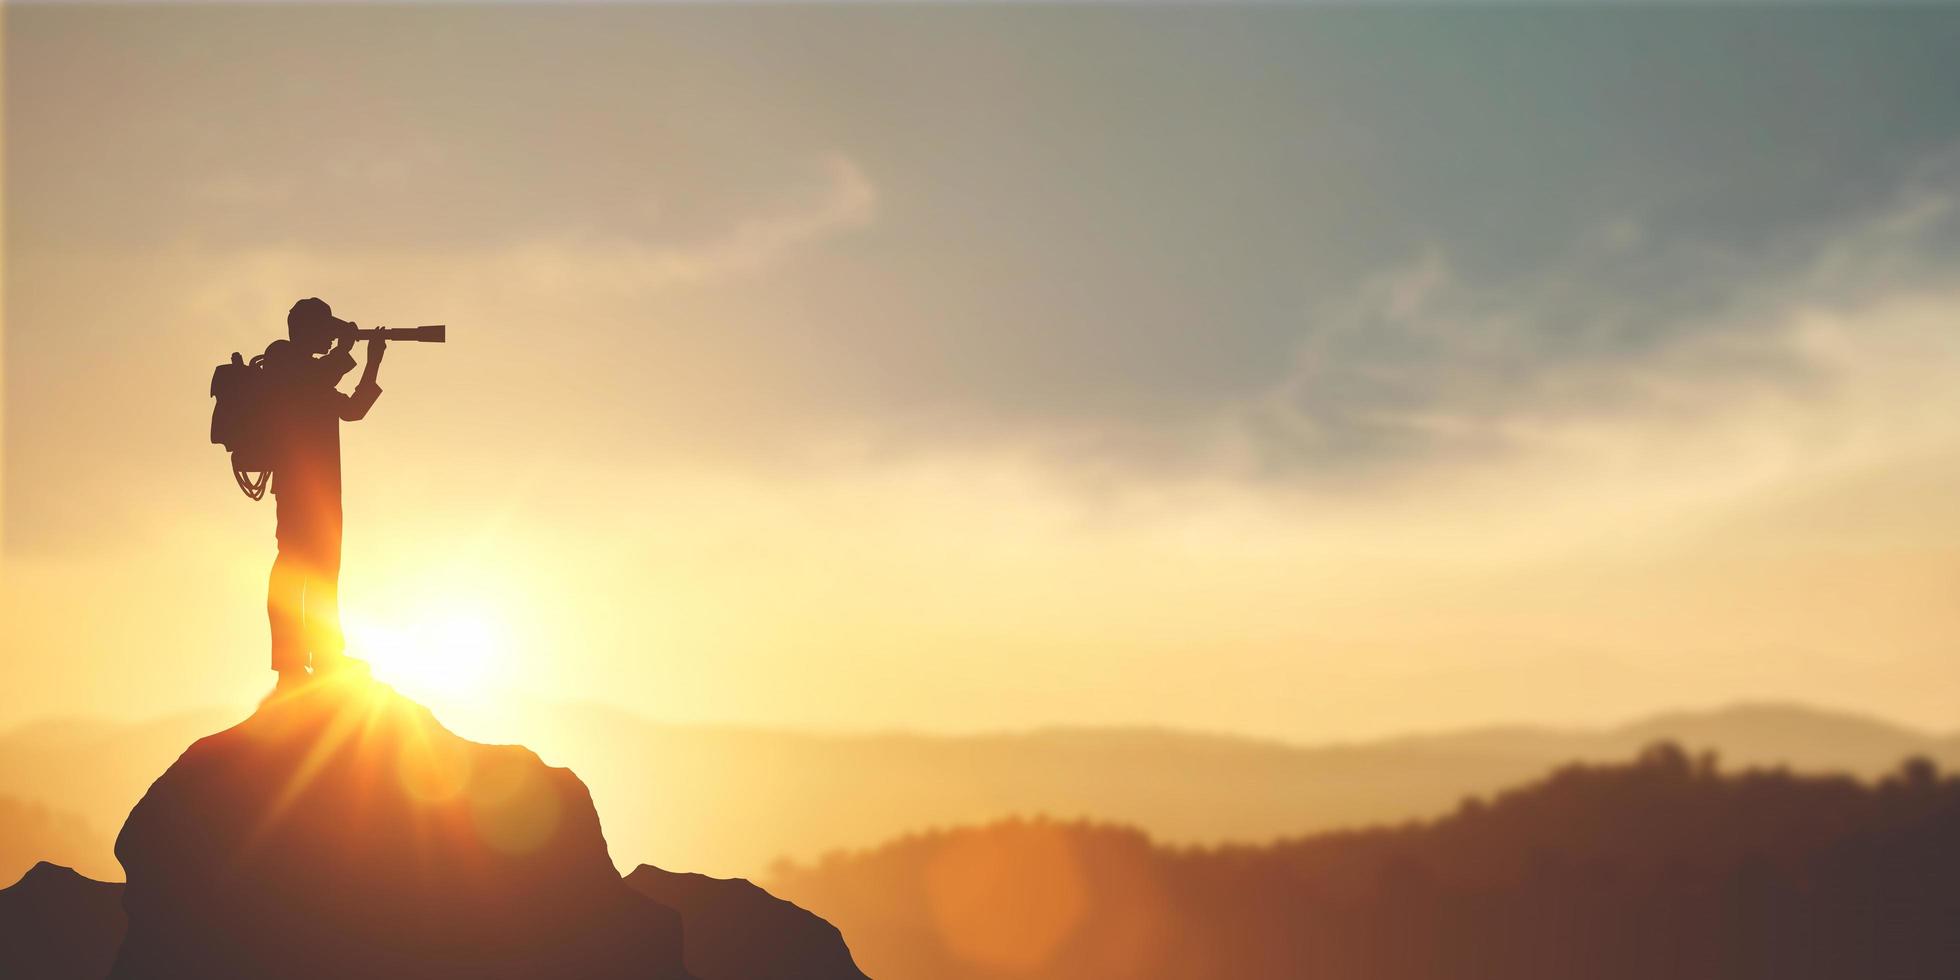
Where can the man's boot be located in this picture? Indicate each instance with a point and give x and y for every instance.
(291, 680)
(333, 660)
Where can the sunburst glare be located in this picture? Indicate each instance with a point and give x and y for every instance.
(449, 655)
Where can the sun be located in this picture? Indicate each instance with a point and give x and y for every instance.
(449, 654)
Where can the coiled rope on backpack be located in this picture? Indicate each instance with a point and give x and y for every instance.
(253, 487)
(241, 421)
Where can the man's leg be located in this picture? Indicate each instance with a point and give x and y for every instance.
(284, 608)
(323, 635)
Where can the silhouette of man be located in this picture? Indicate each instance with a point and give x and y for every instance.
(307, 407)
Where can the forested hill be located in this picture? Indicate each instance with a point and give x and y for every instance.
(1664, 867)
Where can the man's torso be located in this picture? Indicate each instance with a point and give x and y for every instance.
(307, 409)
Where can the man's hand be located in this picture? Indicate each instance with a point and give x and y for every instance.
(376, 347)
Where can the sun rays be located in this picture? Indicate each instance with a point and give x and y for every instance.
(389, 759)
(450, 655)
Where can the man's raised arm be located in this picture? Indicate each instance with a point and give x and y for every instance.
(355, 407)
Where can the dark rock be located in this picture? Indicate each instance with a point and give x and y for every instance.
(57, 925)
(342, 832)
(736, 931)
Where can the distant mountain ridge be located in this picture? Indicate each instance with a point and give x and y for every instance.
(802, 793)
(1765, 733)
(31, 833)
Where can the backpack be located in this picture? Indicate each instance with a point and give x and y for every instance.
(243, 420)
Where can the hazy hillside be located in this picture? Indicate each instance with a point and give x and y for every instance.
(31, 833)
(97, 770)
(803, 794)
(1662, 868)
(729, 801)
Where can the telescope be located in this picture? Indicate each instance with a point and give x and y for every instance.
(430, 333)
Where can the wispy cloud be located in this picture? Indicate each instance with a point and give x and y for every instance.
(1657, 342)
(843, 199)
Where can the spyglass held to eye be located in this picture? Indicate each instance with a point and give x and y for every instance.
(433, 333)
(347, 331)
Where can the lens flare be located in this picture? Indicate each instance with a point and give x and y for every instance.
(449, 655)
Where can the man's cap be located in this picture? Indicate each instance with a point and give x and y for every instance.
(310, 308)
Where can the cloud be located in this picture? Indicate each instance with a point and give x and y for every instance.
(578, 275)
(410, 166)
(843, 199)
(1651, 340)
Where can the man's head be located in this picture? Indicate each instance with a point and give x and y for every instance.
(311, 325)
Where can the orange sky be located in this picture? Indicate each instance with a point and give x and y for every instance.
(954, 370)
